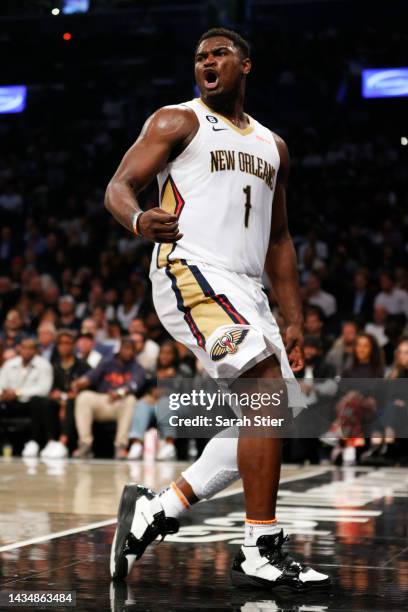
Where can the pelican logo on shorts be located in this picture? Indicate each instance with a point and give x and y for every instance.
(228, 343)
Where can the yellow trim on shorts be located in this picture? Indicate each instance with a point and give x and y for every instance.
(206, 313)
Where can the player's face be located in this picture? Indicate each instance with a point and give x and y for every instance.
(219, 67)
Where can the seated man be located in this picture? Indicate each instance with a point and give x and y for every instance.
(25, 382)
(68, 367)
(115, 381)
(86, 351)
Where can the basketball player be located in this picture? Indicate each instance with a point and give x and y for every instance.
(222, 219)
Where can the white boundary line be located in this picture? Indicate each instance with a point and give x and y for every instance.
(106, 523)
(57, 534)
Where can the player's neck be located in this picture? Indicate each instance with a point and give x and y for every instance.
(231, 108)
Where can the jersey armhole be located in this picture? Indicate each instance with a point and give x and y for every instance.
(193, 141)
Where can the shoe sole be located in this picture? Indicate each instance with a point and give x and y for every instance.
(119, 565)
(241, 580)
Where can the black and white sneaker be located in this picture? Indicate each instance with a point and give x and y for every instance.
(266, 565)
(138, 526)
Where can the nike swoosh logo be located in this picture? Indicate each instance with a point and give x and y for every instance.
(219, 129)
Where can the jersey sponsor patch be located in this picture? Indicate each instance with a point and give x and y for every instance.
(228, 343)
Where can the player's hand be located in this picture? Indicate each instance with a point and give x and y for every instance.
(294, 347)
(157, 225)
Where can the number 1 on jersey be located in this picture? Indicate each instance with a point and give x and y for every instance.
(247, 191)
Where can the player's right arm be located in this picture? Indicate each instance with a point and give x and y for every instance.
(165, 134)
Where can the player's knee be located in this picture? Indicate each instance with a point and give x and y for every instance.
(267, 368)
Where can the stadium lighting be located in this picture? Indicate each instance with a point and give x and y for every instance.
(55, 11)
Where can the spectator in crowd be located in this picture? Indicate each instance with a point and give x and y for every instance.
(67, 316)
(115, 382)
(76, 292)
(392, 420)
(314, 295)
(340, 356)
(376, 328)
(46, 335)
(13, 331)
(88, 326)
(139, 342)
(311, 257)
(392, 298)
(399, 368)
(154, 409)
(8, 353)
(394, 331)
(318, 388)
(312, 241)
(128, 308)
(50, 298)
(147, 354)
(360, 299)
(155, 329)
(99, 316)
(86, 349)
(113, 335)
(67, 369)
(25, 382)
(360, 398)
(368, 359)
(314, 326)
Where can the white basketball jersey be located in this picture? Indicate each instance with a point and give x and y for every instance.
(221, 187)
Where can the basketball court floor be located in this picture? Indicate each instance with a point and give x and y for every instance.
(57, 521)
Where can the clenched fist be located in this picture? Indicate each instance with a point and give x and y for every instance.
(159, 226)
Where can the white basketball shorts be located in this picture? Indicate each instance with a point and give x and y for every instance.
(222, 317)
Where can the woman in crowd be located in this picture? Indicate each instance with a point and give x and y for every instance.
(388, 443)
(153, 408)
(360, 399)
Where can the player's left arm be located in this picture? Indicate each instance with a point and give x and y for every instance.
(281, 265)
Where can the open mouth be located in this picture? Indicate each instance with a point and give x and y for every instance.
(210, 79)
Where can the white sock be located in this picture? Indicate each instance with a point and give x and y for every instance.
(256, 529)
(173, 501)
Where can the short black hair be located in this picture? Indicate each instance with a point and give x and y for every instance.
(236, 38)
(69, 333)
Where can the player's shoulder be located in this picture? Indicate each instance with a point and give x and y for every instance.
(173, 116)
(279, 142)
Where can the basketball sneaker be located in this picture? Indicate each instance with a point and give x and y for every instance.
(266, 565)
(140, 522)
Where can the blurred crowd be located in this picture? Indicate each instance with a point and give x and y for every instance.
(74, 353)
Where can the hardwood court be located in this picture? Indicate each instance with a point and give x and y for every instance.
(57, 521)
